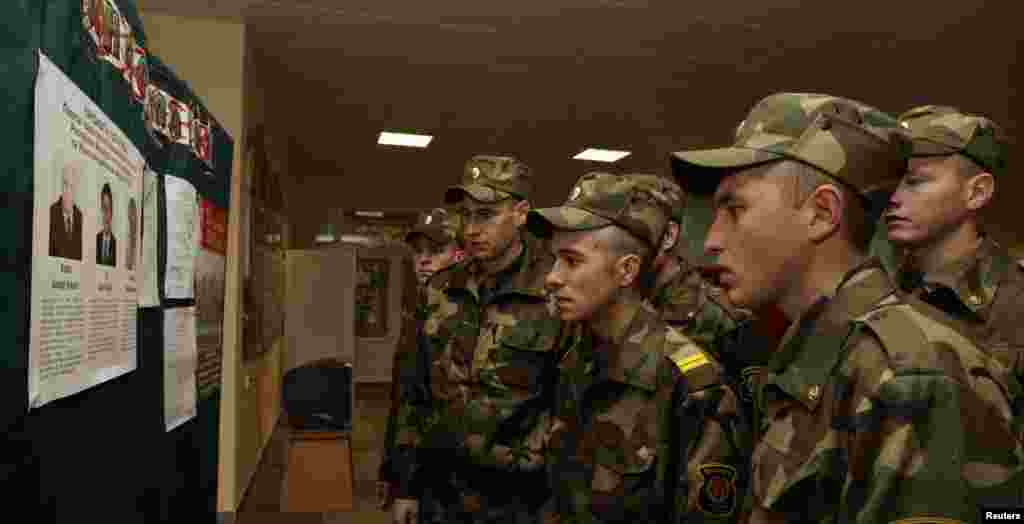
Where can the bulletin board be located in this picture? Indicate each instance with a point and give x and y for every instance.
(106, 446)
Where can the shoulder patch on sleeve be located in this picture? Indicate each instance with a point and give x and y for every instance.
(695, 365)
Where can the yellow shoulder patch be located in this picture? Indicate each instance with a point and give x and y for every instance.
(695, 366)
(682, 351)
(687, 361)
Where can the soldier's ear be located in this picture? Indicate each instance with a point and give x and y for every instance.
(826, 205)
(521, 210)
(627, 270)
(980, 190)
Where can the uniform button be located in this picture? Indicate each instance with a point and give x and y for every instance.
(974, 300)
(813, 393)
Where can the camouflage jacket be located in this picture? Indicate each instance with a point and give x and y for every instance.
(679, 299)
(609, 440)
(985, 290)
(714, 405)
(486, 355)
(404, 374)
(875, 410)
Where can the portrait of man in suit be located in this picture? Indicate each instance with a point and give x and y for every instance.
(66, 218)
(133, 233)
(106, 243)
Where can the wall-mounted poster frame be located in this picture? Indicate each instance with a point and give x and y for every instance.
(372, 297)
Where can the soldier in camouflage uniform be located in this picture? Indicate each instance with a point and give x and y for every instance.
(491, 339)
(436, 243)
(675, 287)
(609, 440)
(934, 216)
(715, 409)
(875, 410)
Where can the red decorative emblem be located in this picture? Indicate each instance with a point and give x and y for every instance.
(717, 495)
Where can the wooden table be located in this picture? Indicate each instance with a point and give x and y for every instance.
(318, 472)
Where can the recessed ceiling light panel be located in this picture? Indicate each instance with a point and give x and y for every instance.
(601, 155)
(388, 138)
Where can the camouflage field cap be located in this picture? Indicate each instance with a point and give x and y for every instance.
(492, 179)
(600, 199)
(437, 225)
(944, 130)
(667, 191)
(848, 140)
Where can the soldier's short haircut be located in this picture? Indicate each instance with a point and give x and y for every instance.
(621, 243)
(800, 180)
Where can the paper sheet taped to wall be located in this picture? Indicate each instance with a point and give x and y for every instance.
(88, 186)
(182, 237)
(179, 366)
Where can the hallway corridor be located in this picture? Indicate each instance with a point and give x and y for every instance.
(262, 503)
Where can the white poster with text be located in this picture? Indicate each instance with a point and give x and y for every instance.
(182, 237)
(179, 366)
(88, 186)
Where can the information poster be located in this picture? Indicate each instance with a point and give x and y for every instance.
(210, 269)
(179, 366)
(88, 184)
(149, 295)
(182, 237)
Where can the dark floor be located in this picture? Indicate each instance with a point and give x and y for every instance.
(262, 503)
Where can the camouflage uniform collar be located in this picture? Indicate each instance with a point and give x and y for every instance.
(628, 356)
(619, 326)
(974, 278)
(659, 295)
(814, 343)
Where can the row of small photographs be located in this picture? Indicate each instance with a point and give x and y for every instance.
(66, 223)
(115, 43)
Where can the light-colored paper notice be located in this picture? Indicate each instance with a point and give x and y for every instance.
(179, 366)
(182, 237)
(86, 223)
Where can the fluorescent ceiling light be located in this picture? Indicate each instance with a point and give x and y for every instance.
(601, 155)
(403, 139)
(371, 214)
(326, 235)
(358, 239)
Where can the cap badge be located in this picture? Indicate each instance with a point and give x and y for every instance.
(575, 193)
(476, 173)
(428, 220)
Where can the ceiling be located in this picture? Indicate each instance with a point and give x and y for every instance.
(543, 79)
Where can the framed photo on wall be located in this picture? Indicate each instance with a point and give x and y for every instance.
(372, 297)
